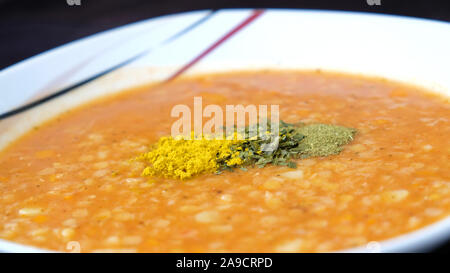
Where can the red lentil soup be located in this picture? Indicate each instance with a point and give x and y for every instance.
(71, 180)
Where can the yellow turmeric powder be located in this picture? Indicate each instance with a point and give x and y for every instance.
(184, 158)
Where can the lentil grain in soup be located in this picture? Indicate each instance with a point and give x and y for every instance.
(72, 180)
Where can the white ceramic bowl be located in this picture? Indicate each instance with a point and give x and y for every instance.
(399, 48)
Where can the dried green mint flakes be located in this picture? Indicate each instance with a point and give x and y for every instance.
(295, 141)
(324, 139)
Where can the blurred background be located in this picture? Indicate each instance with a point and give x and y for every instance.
(29, 27)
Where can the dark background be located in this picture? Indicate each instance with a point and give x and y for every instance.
(29, 27)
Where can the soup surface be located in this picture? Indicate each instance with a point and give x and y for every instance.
(70, 181)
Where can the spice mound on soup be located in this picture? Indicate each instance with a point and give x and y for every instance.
(349, 160)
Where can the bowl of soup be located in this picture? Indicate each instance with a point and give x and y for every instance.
(69, 176)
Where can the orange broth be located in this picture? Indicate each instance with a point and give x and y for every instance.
(70, 180)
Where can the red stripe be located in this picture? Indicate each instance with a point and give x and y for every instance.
(255, 14)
